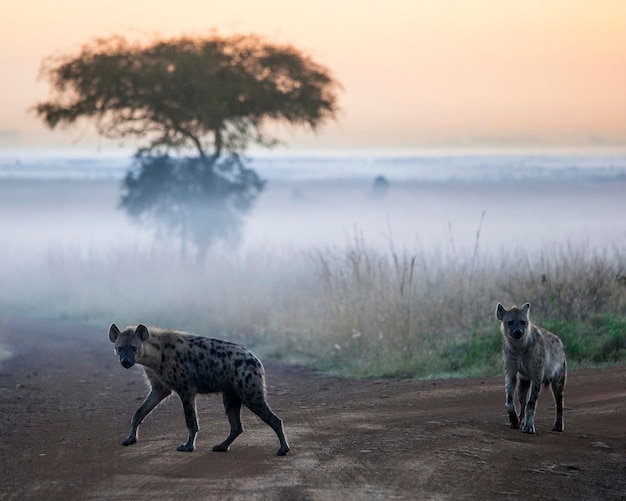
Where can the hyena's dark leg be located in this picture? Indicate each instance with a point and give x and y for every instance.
(189, 407)
(529, 419)
(232, 404)
(156, 395)
(510, 384)
(263, 410)
(522, 396)
(558, 386)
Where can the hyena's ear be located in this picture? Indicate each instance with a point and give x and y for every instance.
(143, 332)
(526, 307)
(114, 333)
(500, 311)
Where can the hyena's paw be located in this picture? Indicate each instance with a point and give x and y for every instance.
(515, 422)
(528, 428)
(129, 441)
(185, 448)
(558, 427)
(282, 451)
(220, 448)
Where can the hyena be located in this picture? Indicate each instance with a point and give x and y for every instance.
(187, 364)
(538, 357)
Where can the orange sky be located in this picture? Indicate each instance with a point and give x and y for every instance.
(416, 73)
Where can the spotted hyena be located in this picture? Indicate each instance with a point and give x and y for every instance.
(538, 357)
(187, 364)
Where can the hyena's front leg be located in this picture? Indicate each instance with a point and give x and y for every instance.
(189, 407)
(522, 396)
(529, 419)
(156, 395)
(511, 382)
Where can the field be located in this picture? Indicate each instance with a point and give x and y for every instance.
(374, 316)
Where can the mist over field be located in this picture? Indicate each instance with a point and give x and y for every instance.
(311, 201)
(328, 268)
(82, 217)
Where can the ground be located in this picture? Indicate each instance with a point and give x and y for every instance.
(66, 403)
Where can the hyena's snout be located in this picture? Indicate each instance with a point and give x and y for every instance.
(127, 358)
(126, 363)
(517, 333)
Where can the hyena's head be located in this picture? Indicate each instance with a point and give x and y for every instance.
(128, 343)
(514, 323)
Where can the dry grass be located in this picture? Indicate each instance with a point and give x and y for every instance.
(350, 308)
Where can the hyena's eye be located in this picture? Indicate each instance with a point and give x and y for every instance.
(523, 323)
(509, 323)
(134, 348)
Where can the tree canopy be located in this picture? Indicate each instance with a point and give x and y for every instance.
(212, 94)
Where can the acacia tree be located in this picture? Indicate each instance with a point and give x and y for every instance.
(211, 96)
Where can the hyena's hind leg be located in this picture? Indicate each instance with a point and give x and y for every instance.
(558, 387)
(263, 410)
(232, 404)
(191, 418)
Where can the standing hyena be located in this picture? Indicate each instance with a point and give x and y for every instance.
(538, 357)
(188, 365)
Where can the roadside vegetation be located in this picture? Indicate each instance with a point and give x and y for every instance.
(351, 309)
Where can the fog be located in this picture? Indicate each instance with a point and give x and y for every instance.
(496, 215)
(82, 216)
(68, 251)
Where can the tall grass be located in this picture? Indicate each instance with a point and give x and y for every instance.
(353, 308)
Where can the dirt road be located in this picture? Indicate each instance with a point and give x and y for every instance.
(65, 406)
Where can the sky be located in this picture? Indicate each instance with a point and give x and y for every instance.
(415, 73)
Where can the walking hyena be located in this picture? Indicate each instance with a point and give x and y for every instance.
(186, 364)
(538, 357)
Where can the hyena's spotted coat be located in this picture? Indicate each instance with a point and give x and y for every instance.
(538, 357)
(187, 365)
